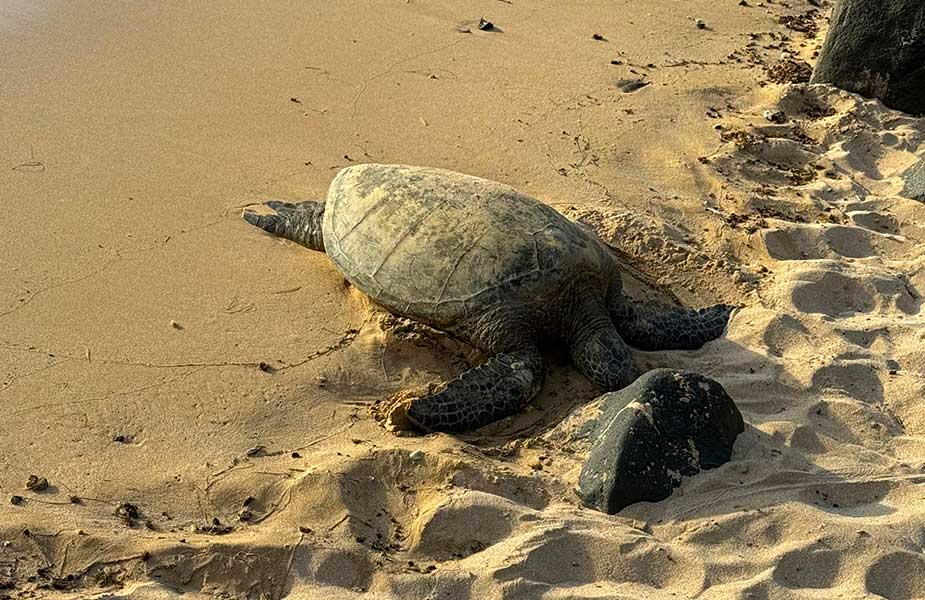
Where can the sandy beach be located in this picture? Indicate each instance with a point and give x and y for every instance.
(202, 397)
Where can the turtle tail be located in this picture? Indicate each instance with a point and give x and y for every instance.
(650, 326)
(300, 222)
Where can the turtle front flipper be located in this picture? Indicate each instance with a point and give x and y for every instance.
(596, 347)
(662, 327)
(300, 222)
(491, 391)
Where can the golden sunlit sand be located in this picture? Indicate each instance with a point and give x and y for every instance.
(202, 397)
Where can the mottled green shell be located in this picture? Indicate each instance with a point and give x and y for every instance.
(441, 246)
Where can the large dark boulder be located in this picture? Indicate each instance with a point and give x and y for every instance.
(664, 425)
(877, 48)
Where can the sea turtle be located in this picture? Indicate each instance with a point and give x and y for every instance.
(492, 267)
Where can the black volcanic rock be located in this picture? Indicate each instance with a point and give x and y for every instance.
(877, 49)
(664, 425)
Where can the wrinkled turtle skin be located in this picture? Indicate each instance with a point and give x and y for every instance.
(492, 267)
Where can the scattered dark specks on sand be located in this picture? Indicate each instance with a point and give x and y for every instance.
(630, 85)
(790, 71)
(804, 23)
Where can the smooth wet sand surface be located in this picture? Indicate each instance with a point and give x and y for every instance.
(136, 304)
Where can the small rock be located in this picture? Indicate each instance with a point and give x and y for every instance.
(598, 37)
(127, 509)
(775, 116)
(75, 500)
(176, 325)
(128, 512)
(700, 23)
(36, 483)
(416, 456)
(215, 528)
(256, 451)
(630, 85)
(16, 500)
(486, 25)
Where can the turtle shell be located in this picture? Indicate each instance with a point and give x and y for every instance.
(440, 246)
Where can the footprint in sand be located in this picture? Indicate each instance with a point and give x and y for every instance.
(811, 567)
(859, 380)
(464, 524)
(791, 241)
(897, 576)
(833, 294)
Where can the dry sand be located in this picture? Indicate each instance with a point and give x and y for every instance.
(136, 305)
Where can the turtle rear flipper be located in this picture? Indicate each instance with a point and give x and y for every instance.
(300, 222)
(662, 327)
